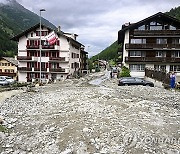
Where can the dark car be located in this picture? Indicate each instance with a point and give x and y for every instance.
(126, 81)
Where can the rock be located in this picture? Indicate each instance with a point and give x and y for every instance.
(1, 120)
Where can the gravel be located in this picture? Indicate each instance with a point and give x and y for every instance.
(78, 116)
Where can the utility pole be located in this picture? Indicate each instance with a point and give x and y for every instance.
(40, 46)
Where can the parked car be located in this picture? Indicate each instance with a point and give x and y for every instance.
(3, 81)
(126, 81)
(9, 79)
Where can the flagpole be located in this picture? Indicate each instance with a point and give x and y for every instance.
(40, 46)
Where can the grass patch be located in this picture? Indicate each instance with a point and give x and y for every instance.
(3, 129)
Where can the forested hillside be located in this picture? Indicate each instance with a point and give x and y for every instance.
(14, 18)
(111, 51)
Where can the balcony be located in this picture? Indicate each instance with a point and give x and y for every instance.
(152, 46)
(24, 58)
(156, 32)
(58, 70)
(24, 69)
(153, 59)
(43, 47)
(59, 59)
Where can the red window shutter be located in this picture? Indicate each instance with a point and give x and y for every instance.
(36, 33)
(49, 65)
(57, 42)
(35, 75)
(38, 42)
(57, 65)
(35, 42)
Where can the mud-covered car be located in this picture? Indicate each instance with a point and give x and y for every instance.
(127, 81)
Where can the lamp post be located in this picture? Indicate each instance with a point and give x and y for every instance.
(87, 61)
(40, 46)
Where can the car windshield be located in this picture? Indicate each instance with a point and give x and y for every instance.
(8, 77)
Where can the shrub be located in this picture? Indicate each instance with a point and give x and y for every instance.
(125, 72)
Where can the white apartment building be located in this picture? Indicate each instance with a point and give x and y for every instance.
(58, 61)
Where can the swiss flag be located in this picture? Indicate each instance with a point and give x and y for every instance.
(51, 38)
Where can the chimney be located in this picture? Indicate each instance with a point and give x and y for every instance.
(59, 29)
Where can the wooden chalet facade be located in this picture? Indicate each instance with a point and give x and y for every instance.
(153, 42)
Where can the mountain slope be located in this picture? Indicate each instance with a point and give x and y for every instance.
(14, 18)
(175, 12)
(111, 51)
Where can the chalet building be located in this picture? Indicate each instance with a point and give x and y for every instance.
(8, 67)
(153, 42)
(58, 60)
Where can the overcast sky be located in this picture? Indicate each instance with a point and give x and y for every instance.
(97, 21)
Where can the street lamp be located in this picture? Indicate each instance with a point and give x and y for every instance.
(40, 46)
(87, 61)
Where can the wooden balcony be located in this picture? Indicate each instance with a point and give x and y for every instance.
(153, 59)
(7, 74)
(152, 46)
(62, 59)
(24, 69)
(24, 58)
(156, 32)
(60, 70)
(37, 46)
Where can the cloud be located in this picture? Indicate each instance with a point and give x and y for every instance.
(97, 21)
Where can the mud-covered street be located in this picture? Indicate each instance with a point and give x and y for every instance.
(86, 117)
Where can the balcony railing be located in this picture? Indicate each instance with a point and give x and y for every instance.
(152, 59)
(24, 58)
(24, 69)
(152, 46)
(37, 46)
(61, 70)
(57, 59)
(156, 32)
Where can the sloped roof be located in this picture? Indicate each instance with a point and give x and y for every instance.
(158, 15)
(11, 60)
(16, 38)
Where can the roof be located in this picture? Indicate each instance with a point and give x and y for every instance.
(16, 38)
(11, 60)
(158, 15)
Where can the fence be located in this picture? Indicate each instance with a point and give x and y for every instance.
(158, 75)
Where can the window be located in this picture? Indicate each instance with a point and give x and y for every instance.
(176, 41)
(137, 54)
(160, 54)
(43, 54)
(141, 27)
(161, 41)
(31, 34)
(160, 67)
(72, 65)
(138, 41)
(137, 67)
(176, 54)
(172, 28)
(175, 68)
(155, 26)
(0, 64)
